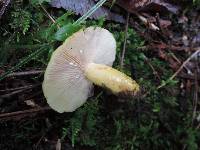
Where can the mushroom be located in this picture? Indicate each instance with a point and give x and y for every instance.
(83, 59)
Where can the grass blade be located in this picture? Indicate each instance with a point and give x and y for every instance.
(23, 61)
(90, 12)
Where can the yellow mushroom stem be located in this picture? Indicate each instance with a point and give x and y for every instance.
(110, 78)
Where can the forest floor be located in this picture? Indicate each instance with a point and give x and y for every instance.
(161, 42)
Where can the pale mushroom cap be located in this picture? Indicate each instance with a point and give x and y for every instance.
(65, 86)
(94, 44)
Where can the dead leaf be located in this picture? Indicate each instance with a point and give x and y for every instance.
(163, 23)
(147, 5)
(80, 7)
(132, 5)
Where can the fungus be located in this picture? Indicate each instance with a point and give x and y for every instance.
(83, 59)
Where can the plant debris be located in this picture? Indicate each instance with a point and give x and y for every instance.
(148, 5)
(80, 7)
(3, 5)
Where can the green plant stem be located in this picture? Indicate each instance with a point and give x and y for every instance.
(22, 62)
(90, 12)
(26, 46)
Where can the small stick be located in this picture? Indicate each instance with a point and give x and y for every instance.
(12, 93)
(19, 88)
(158, 21)
(38, 142)
(153, 69)
(145, 21)
(25, 73)
(51, 18)
(184, 63)
(174, 56)
(181, 67)
(18, 91)
(186, 76)
(22, 114)
(125, 41)
(195, 94)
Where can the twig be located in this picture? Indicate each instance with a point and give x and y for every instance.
(18, 91)
(158, 21)
(145, 21)
(22, 114)
(186, 76)
(153, 69)
(18, 88)
(25, 73)
(181, 67)
(38, 142)
(167, 46)
(11, 94)
(22, 62)
(125, 41)
(51, 18)
(195, 94)
(184, 63)
(174, 56)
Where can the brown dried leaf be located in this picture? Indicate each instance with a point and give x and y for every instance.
(132, 5)
(146, 5)
(163, 23)
(80, 7)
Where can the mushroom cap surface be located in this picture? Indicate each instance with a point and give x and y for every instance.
(65, 86)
